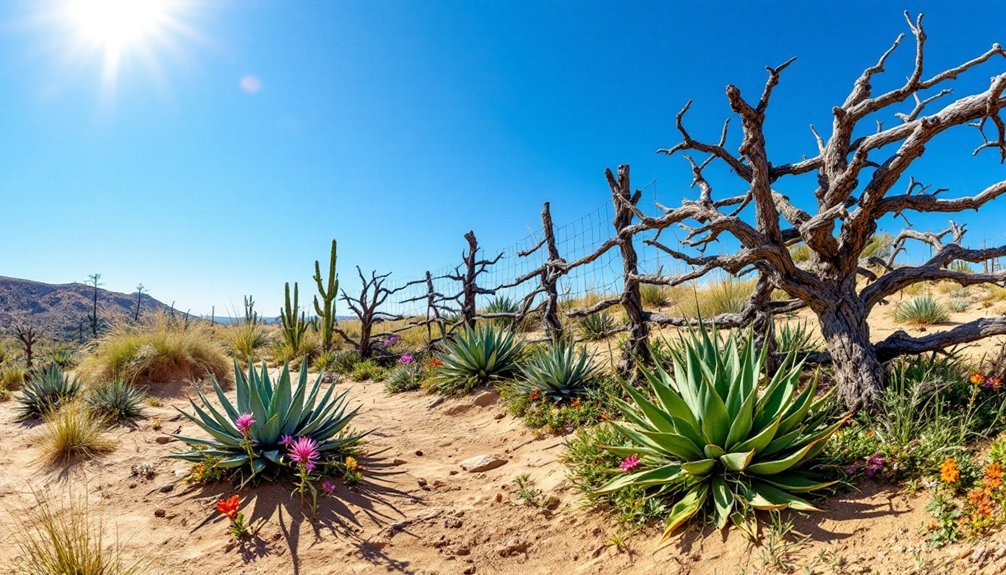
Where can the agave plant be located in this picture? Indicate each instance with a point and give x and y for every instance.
(476, 357)
(253, 433)
(796, 337)
(596, 326)
(116, 401)
(560, 373)
(46, 391)
(921, 311)
(714, 434)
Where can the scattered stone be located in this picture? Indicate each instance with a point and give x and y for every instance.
(486, 398)
(513, 547)
(160, 512)
(500, 415)
(419, 453)
(163, 439)
(470, 570)
(453, 523)
(457, 409)
(399, 462)
(481, 463)
(168, 488)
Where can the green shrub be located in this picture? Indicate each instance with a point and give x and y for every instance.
(403, 377)
(503, 304)
(12, 377)
(596, 326)
(280, 410)
(653, 295)
(558, 375)
(343, 360)
(46, 391)
(921, 311)
(538, 412)
(718, 441)
(246, 340)
(958, 305)
(476, 357)
(116, 401)
(368, 370)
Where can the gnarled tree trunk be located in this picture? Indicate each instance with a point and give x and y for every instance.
(846, 333)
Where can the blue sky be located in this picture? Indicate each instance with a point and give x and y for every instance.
(395, 127)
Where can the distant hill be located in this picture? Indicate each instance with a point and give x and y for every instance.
(58, 310)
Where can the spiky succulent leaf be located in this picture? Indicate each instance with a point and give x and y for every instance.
(732, 433)
(476, 357)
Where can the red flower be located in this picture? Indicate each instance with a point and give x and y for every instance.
(229, 506)
(534, 395)
(575, 403)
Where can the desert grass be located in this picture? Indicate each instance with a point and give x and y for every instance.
(246, 341)
(921, 311)
(711, 299)
(74, 433)
(654, 296)
(12, 377)
(67, 539)
(991, 294)
(161, 350)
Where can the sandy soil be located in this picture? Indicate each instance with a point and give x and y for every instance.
(419, 512)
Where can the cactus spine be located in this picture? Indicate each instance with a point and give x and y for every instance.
(294, 325)
(326, 309)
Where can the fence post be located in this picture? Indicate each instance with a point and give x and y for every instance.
(469, 287)
(550, 275)
(637, 349)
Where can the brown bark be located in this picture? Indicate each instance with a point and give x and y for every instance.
(637, 348)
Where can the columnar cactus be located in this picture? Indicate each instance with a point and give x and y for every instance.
(326, 308)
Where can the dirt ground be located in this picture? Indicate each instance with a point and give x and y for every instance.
(420, 512)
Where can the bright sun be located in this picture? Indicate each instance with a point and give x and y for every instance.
(116, 24)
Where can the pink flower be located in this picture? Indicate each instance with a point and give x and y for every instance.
(392, 340)
(244, 423)
(874, 463)
(304, 450)
(285, 441)
(406, 359)
(629, 463)
(328, 487)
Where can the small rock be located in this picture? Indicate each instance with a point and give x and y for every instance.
(160, 512)
(167, 488)
(419, 453)
(399, 462)
(482, 463)
(470, 570)
(486, 398)
(162, 439)
(513, 547)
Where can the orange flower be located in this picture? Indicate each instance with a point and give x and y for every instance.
(993, 476)
(949, 472)
(869, 433)
(977, 378)
(981, 501)
(995, 382)
(575, 403)
(606, 416)
(229, 506)
(534, 395)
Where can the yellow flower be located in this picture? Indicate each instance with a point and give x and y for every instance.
(949, 472)
(977, 378)
(351, 463)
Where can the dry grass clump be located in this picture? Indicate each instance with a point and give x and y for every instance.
(991, 294)
(246, 340)
(74, 433)
(12, 377)
(160, 351)
(66, 539)
(654, 296)
(724, 296)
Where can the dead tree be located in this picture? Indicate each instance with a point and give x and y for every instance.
(373, 294)
(435, 308)
(28, 337)
(852, 177)
(470, 289)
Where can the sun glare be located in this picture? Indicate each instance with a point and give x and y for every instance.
(113, 25)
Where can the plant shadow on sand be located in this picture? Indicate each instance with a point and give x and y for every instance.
(341, 515)
(841, 516)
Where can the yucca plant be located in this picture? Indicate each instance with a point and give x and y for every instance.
(46, 391)
(561, 373)
(272, 415)
(921, 311)
(715, 434)
(476, 357)
(116, 401)
(596, 326)
(796, 337)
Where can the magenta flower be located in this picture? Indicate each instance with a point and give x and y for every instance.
(244, 423)
(629, 463)
(286, 440)
(392, 340)
(328, 487)
(304, 451)
(405, 359)
(874, 464)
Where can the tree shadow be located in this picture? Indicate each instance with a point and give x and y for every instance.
(371, 503)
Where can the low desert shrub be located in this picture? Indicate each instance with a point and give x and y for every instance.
(74, 433)
(921, 311)
(67, 539)
(796, 337)
(368, 370)
(271, 426)
(476, 357)
(654, 296)
(46, 391)
(246, 341)
(160, 351)
(406, 376)
(713, 438)
(706, 301)
(343, 360)
(12, 377)
(538, 412)
(958, 305)
(115, 401)
(596, 326)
